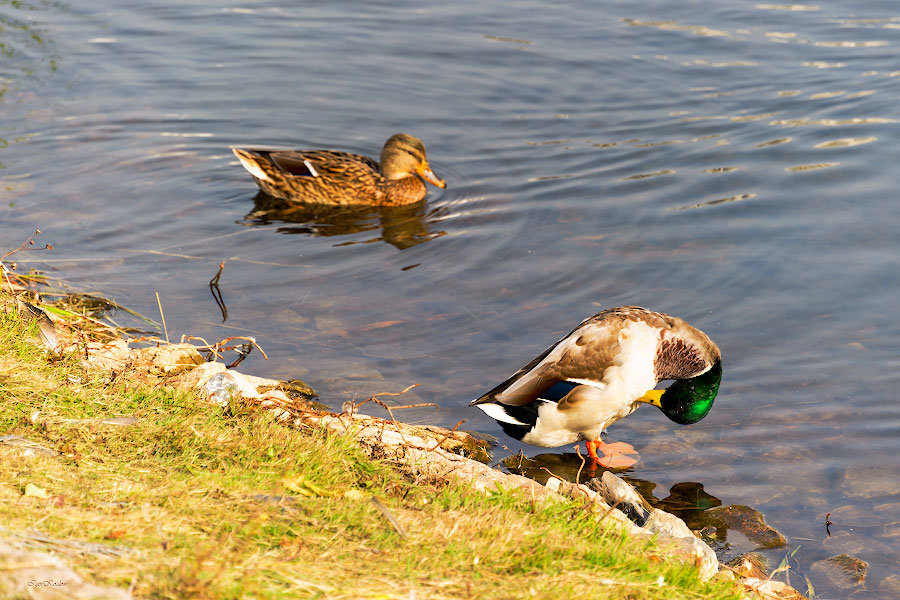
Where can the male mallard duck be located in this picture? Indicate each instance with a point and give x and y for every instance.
(599, 373)
(331, 177)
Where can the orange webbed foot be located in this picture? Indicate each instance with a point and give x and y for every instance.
(615, 455)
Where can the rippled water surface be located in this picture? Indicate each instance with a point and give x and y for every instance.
(731, 163)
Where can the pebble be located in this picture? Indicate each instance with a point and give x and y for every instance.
(784, 453)
(750, 564)
(328, 324)
(750, 522)
(890, 585)
(289, 316)
(843, 571)
(870, 482)
(617, 492)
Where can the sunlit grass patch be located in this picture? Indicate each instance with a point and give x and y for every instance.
(193, 500)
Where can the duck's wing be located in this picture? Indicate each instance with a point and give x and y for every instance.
(326, 164)
(580, 358)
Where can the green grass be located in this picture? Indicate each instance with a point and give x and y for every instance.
(190, 490)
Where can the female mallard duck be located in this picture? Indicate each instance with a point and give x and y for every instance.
(331, 177)
(599, 373)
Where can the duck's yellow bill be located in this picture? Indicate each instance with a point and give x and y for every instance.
(425, 171)
(652, 397)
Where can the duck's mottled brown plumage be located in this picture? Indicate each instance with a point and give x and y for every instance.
(682, 352)
(332, 177)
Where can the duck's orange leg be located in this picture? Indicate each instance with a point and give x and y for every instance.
(615, 455)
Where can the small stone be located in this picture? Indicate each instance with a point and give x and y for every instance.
(25, 446)
(724, 575)
(328, 324)
(770, 589)
(750, 564)
(289, 316)
(784, 453)
(660, 521)
(221, 388)
(168, 360)
(660, 447)
(617, 492)
(57, 579)
(694, 435)
(889, 509)
(871, 482)
(297, 386)
(748, 521)
(843, 570)
(892, 530)
(855, 542)
(890, 585)
(120, 421)
(670, 530)
(688, 495)
(112, 355)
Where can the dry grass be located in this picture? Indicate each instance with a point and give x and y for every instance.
(204, 503)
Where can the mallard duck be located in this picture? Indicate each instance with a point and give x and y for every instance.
(331, 177)
(601, 372)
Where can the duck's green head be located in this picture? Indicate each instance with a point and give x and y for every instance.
(689, 400)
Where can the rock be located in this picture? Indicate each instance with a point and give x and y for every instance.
(692, 435)
(889, 509)
(689, 501)
(289, 316)
(890, 585)
(114, 355)
(750, 564)
(663, 447)
(769, 589)
(748, 521)
(843, 571)
(42, 576)
(197, 376)
(221, 389)
(784, 453)
(26, 447)
(670, 531)
(659, 521)
(846, 542)
(168, 360)
(617, 492)
(296, 386)
(892, 530)
(328, 324)
(870, 482)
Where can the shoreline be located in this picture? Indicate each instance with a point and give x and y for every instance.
(422, 453)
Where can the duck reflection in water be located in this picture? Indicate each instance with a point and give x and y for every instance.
(401, 226)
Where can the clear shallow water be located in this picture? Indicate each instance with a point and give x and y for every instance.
(732, 164)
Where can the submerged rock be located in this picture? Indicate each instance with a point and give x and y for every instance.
(843, 571)
(871, 482)
(748, 521)
(890, 585)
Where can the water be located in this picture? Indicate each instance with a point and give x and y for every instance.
(729, 163)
